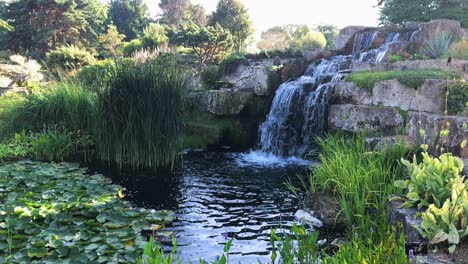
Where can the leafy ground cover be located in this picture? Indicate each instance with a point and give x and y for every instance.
(410, 78)
(56, 213)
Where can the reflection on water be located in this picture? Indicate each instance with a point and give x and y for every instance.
(216, 196)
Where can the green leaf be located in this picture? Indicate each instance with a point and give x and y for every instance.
(37, 252)
(441, 236)
(453, 236)
(452, 248)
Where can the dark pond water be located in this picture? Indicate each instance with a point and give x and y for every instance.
(217, 196)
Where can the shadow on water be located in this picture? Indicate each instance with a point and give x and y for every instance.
(217, 196)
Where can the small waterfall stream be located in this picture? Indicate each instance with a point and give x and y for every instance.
(300, 107)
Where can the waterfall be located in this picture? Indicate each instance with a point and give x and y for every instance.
(299, 107)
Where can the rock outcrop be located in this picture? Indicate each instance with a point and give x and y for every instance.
(221, 103)
(358, 118)
(430, 97)
(250, 78)
(345, 35)
(433, 28)
(432, 125)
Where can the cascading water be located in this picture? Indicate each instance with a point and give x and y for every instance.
(299, 108)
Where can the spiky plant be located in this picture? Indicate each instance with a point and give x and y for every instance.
(139, 114)
(439, 45)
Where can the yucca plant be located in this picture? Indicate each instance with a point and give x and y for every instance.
(439, 46)
(64, 104)
(139, 114)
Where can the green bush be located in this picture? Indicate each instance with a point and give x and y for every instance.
(69, 57)
(131, 47)
(395, 58)
(96, 76)
(65, 104)
(457, 98)
(139, 116)
(417, 56)
(439, 46)
(154, 36)
(230, 63)
(210, 77)
(410, 78)
(52, 145)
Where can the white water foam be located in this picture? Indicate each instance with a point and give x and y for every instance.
(264, 159)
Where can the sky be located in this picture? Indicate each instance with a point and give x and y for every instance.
(269, 13)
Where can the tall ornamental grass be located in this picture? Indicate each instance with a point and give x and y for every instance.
(139, 116)
(65, 104)
(361, 179)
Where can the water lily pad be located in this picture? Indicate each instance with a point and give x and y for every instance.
(56, 213)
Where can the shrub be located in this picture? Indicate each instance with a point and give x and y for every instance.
(417, 56)
(66, 104)
(438, 46)
(457, 98)
(69, 57)
(410, 78)
(395, 58)
(139, 114)
(460, 50)
(52, 145)
(154, 36)
(210, 76)
(96, 76)
(230, 63)
(131, 47)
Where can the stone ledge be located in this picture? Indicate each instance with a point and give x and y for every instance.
(379, 121)
(221, 103)
(430, 97)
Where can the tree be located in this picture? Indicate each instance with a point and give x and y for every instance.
(330, 32)
(275, 38)
(129, 16)
(291, 36)
(174, 12)
(209, 43)
(154, 36)
(40, 25)
(232, 15)
(400, 11)
(111, 43)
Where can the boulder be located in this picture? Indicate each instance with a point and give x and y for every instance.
(307, 218)
(430, 97)
(221, 103)
(350, 93)
(432, 124)
(378, 121)
(434, 28)
(293, 69)
(327, 208)
(251, 78)
(405, 220)
(345, 35)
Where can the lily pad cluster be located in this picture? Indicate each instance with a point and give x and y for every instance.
(57, 213)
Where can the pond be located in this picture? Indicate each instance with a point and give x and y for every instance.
(219, 195)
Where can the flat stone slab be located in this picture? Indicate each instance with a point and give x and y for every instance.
(430, 97)
(378, 121)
